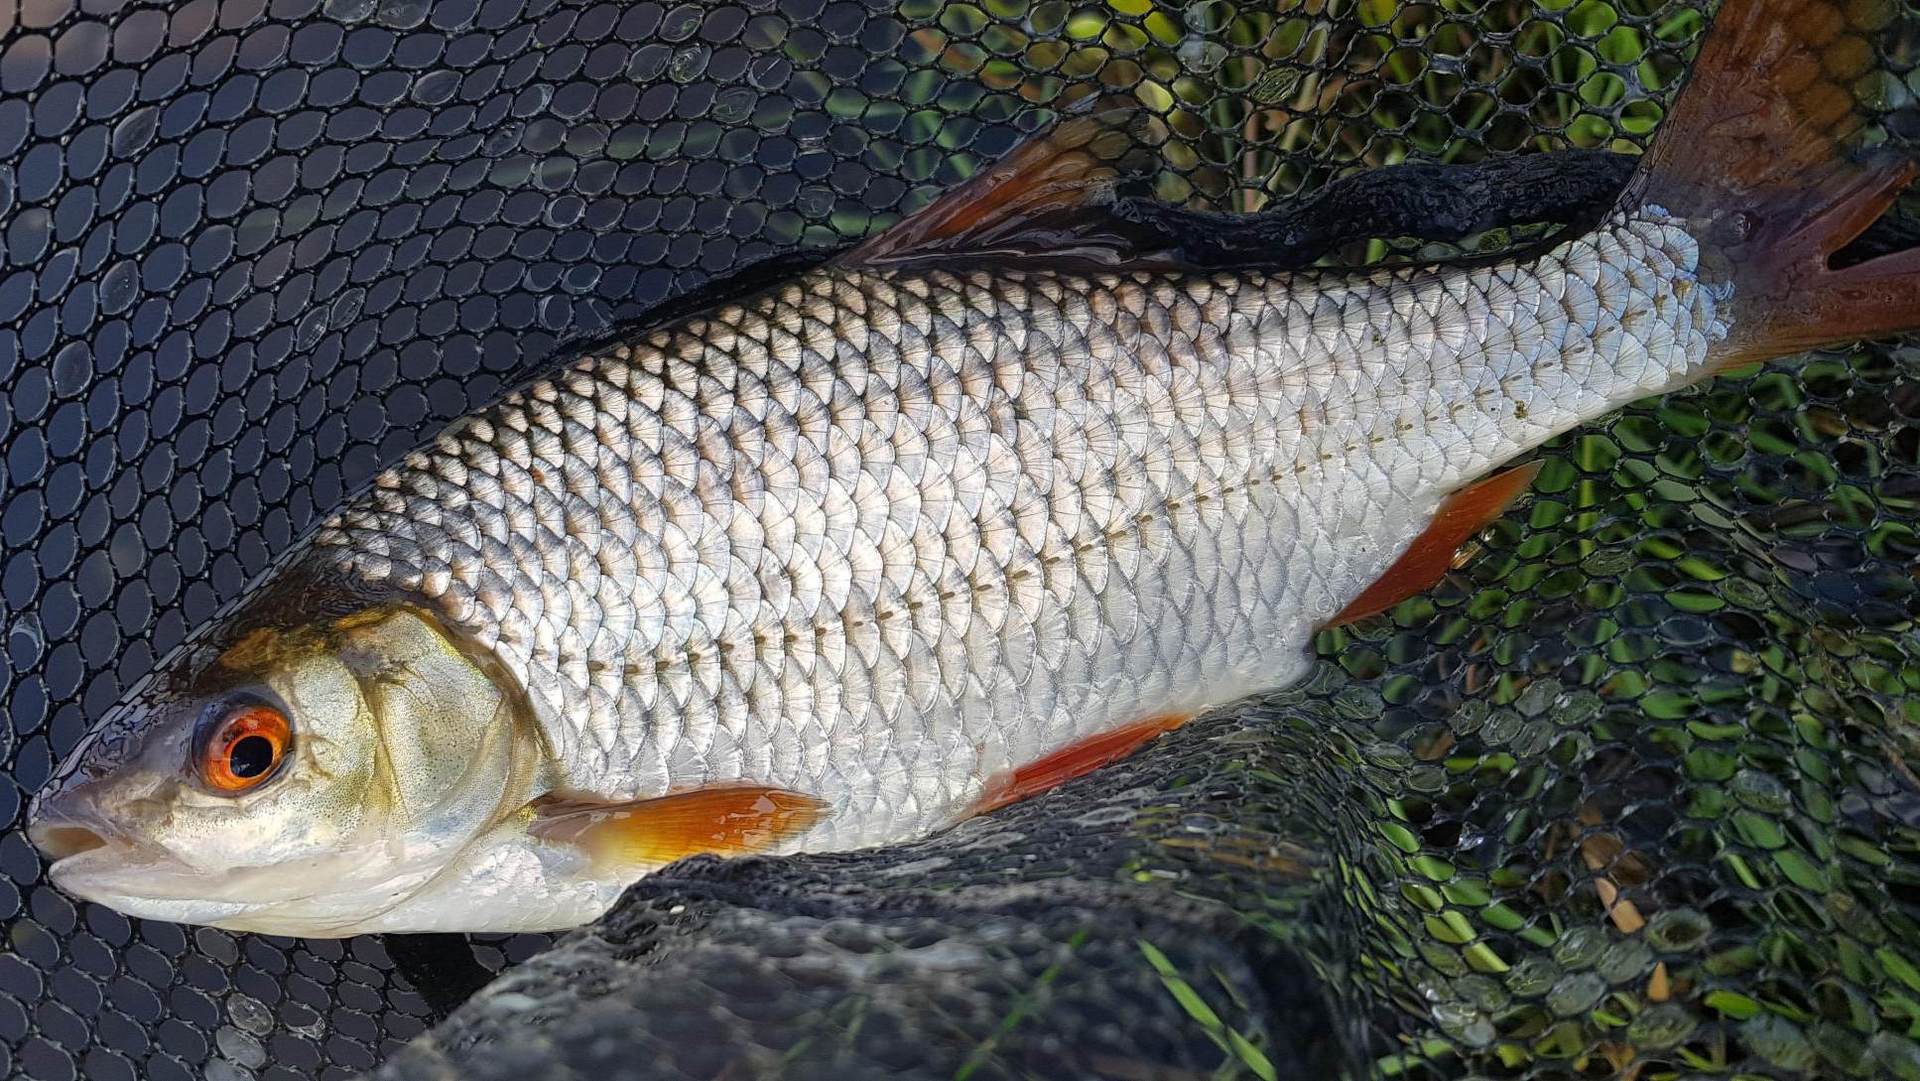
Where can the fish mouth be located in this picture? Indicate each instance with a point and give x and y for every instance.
(60, 841)
(128, 880)
(71, 836)
(93, 862)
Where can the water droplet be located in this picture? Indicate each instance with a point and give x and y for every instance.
(1777, 1040)
(1576, 994)
(814, 202)
(1538, 697)
(1532, 976)
(734, 105)
(1761, 791)
(680, 23)
(312, 326)
(1580, 947)
(119, 286)
(436, 87)
(1678, 930)
(1198, 54)
(1625, 961)
(688, 63)
(1483, 992)
(224, 1070)
(1501, 727)
(1663, 1025)
(1577, 709)
(133, 133)
(250, 1014)
(503, 139)
(403, 14)
(1464, 1023)
(243, 1049)
(348, 11)
(347, 308)
(1105, 816)
(769, 72)
(1208, 16)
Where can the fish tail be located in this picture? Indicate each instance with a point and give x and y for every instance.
(1756, 156)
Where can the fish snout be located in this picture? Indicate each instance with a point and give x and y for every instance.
(67, 822)
(57, 841)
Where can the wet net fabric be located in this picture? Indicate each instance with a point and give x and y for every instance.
(1633, 794)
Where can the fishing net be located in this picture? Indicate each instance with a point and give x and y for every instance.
(1630, 795)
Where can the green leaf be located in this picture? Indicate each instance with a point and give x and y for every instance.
(1898, 967)
(1732, 1003)
(1255, 1059)
(1801, 871)
(1180, 989)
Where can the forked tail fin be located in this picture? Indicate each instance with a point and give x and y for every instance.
(1756, 155)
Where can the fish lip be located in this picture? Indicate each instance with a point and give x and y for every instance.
(114, 859)
(61, 831)
(59, 841)
(155, 890)
(73, 879)
(148, 881)
(68, 822)
(63, 869)
(114, 874)
(91, 859)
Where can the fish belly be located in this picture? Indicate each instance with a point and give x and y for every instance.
(879, 537)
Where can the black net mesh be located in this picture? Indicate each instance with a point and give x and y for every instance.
(1629, 796)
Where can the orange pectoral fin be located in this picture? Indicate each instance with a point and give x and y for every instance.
(728, 821)
(1432, 554)
(1074, 760)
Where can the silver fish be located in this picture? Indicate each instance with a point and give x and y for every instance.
(914, 534)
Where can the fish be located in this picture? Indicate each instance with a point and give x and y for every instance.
(974, 508)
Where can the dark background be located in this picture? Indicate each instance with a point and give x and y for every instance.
(249, 251)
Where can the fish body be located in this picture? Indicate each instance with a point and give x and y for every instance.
(898, 539)
(878, 536)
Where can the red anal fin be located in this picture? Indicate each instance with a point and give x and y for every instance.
(1432, 555)
(728, 821)
(1074, 760)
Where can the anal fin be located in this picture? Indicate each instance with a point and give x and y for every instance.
(731, 820)
(1076, 759)
(1432, 553)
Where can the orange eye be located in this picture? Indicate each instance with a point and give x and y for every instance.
(245, 748)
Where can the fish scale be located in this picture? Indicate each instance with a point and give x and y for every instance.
(876, 536)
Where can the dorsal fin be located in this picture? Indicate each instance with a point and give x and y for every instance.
(1048, 202)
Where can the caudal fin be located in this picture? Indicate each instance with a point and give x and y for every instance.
(1757, 155)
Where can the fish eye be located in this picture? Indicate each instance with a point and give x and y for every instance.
(243, 746)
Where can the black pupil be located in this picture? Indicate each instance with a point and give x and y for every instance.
(250, 757)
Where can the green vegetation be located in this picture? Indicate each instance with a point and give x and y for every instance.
(1267, 100)
(1633, 795)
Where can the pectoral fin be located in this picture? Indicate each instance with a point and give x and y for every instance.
(733, 820)
(1074, 760)
(1433, 552)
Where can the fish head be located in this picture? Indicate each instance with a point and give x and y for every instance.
(309, 779)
